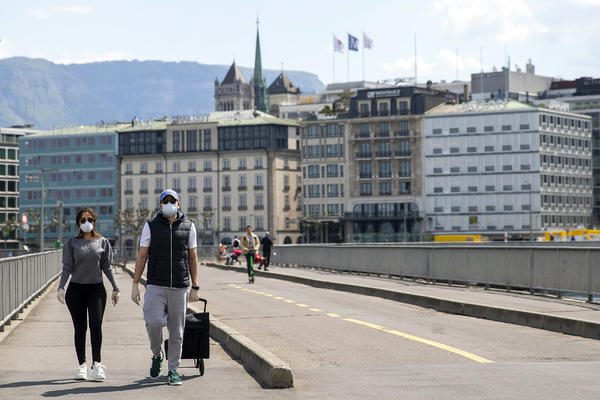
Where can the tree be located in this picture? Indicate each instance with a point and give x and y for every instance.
(342, 103)
(8, 227)
(131, 221)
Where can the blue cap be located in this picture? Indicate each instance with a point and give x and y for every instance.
(169, 192)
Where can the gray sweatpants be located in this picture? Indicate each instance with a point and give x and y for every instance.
(165, 306)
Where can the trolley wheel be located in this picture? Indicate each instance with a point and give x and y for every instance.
(200, 365)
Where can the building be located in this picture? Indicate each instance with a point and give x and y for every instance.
(78, 167)
(363, 170)
(282, 92)
(499, 168)
(515, 85)
(9, 184)
(234, 93)
(231, 169)
(581, 96)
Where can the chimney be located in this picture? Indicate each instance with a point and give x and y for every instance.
(466, 92)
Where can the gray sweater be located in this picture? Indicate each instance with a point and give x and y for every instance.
(84, 260)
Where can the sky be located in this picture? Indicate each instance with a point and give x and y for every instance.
(454, 38)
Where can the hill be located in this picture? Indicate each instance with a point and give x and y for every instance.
(39, 92)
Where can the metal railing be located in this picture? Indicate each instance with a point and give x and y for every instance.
(556, 268)
(23, 278)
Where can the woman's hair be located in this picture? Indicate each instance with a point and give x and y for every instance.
(92, 212)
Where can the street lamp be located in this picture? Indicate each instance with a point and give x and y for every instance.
(42, 211)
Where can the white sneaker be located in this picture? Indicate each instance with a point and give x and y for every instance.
(98, 372)
(81, 374)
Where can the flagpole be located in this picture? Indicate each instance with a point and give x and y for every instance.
(333, 60)
(348, 61)
(363, 71)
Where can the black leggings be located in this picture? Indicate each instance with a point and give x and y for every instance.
(83, 299)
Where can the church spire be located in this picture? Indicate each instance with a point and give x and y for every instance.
(261, 101)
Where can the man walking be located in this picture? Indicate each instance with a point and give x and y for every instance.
(250, 245)
(168, 243)
(267, 246)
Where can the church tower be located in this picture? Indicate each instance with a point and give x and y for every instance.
(234, 93)
(261, 99)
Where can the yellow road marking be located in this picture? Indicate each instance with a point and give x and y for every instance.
(259, 292)
(278, 298)
(268, 294)
(332, 315)
(245, 289)
(289, 301)
(428, 342)
(302, 305)
(315, 309)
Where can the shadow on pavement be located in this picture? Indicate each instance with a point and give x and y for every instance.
(90, 386)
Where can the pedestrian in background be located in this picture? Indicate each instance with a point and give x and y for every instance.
(267, 247)
(250, 245)
(84, 259)
(169, 244)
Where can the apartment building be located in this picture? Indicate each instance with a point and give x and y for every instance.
(506, 168)
(78, 166)
(231, 169)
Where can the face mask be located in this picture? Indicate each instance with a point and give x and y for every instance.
(169, 209)
(87, 227)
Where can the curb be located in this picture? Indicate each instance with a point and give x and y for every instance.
(272, 372)
(550, 322)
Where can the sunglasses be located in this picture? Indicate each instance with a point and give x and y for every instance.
(90, 220)
(167, 201)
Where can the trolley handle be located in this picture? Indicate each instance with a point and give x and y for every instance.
(204, 301)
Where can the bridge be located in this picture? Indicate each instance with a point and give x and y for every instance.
(333, 331)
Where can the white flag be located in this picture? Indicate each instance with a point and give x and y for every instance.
(338, 45)
(367, 42)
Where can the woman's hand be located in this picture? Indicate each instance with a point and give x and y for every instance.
(60, 295)
(115, 297)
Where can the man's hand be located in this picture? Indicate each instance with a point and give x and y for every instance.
(194, 295)
(60, 295)
(135, 293)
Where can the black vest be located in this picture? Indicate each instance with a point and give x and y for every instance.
(168, 263)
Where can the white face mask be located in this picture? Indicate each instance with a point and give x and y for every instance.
(87, 227)
(169, 209)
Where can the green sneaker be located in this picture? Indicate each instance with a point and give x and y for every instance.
(156, 364)
(174, 378)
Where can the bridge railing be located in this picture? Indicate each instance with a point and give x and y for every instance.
(23, 278)
(559, 268)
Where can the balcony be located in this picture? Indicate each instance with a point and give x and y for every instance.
(385, 176)
(286, 167)
(207, 208)
(365, 176)
(192, 209)
(242, 167)
(299, 208)
(286, 188)
(143, 172)
(259, 207)
(193, 169)
(364, 155)
(226, 188)
(158, 191)
(128, 191)
(402, 133)
(192, 190)
(143, 191)
(403, 154)
(364, 114)
(258, 166)
(383, 154)
(158, 171)
(383, 134)
(286, 207)
(226, 208)
(226, 168)
(128, 172)
(207, 189)
(258, 187)
(242, 208)
(177, 189)
(207, 169)
(242, 188)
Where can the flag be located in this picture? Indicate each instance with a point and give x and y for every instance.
(338, 45)
(352, 43)
(367, 42)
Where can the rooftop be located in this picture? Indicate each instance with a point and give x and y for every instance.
(84, 129)
(282, 84)
(234, 75)
(247, 117)
(480, 107)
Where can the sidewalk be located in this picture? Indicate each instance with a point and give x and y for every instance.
(37, 358)
(568, 316)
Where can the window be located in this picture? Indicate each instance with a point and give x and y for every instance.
(191, 140)
(226, 164)
(507, 188)
(454, 170)
(437, 151)
(454, 189)
(332, 190)
(313, 171)
(524, 127)
(455, 209)
(191, 184)
(385, 169)
(242, 181)
(258, 200)
(525, 146)
(176, 166)
(490, 188)
(438, 189)
(471, 129)
(472, 169)
(242, 163)
(508, 207)
(365, 130)
(176, 141)
(366, 189)
(207, 182)
(191, 166)
(365, 170)
(507, 167)
(453, 130)
(158, 185)
(332, 170)
(313, 191)
(454, 150)
(490, 168)
(490, 208)
(472, 189)
(471, 149)
(243, 201)
(488, 129)
(506, 127)
(258, 163)
(404, 168)
(259, 180)
(438, 170)
(489, 148)
(405, 188)
(436, 131)
(506, 147)
(385, 188)
(227, 224)
(158, 167)
(207, 165)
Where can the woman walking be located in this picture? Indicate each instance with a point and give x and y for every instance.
(85, 257)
